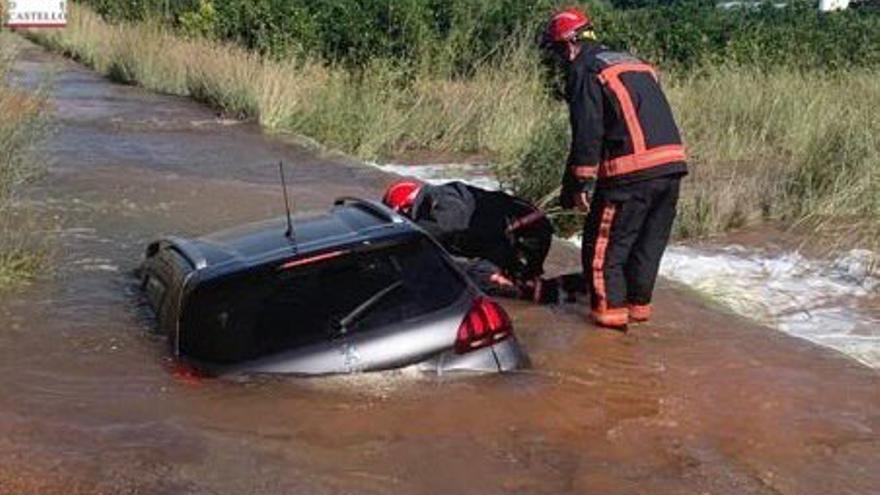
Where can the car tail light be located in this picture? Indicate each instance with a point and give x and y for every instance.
(485, 324)
(186, 373)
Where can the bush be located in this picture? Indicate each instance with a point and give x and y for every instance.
(446, 34)
(199, 23)
(138, 10)
(455, 36)
(690, 34)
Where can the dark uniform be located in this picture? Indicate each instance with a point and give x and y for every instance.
(626, 150)
(491, 225)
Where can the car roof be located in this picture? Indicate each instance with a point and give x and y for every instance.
(350, 221)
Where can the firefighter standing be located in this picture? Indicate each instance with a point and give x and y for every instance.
(476, 223)
(624, 166)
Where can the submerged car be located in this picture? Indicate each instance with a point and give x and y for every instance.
(357, 288)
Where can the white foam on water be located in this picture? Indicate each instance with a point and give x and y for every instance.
(475, 175)
(96, 265)
(816, 300)
(812, 299)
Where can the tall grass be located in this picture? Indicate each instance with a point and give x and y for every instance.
(781, 144)
(377, 111)
(800, 147)
(21, 125)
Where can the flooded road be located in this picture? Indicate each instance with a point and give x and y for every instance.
(697, 402)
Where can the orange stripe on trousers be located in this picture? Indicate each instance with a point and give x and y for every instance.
(599, 251)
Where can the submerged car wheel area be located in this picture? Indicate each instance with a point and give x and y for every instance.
(358, 288)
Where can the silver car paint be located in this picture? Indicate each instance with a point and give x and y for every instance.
(503, 356)
(510, 355)
(427, 340)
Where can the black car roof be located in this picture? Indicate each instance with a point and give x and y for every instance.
(349, 222)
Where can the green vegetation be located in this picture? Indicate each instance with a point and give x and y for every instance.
(778, 106)
(460, 35)
(21, 123)
(21, 258)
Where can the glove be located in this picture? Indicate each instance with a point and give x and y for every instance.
(577, 195)
(582, 202)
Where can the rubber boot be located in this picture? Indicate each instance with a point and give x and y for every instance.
(616, 319)
(639, 313)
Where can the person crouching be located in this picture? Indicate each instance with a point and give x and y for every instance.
(471, 222)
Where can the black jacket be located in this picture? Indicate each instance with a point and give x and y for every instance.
(475, 223)
(622, 127)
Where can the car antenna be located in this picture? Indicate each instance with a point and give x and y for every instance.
(289, 234)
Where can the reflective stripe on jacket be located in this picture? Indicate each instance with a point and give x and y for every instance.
(622, 126)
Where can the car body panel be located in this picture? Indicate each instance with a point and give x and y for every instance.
(232, 275)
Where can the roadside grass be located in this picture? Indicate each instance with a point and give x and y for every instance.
(778, 144)
(22, 123)
(22, 256)
(378, 111)
(17, 267)
(803, 148)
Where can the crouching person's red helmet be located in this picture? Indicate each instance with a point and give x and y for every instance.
(400, 195)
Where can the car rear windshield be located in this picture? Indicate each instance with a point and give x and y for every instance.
(358, 292)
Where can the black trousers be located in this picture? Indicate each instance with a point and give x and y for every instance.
(532, 244)
(625, 235)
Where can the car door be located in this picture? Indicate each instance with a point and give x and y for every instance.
(411, 313)
(385, 307)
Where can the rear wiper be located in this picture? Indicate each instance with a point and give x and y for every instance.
(343, 325)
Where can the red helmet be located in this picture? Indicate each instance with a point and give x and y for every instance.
(565, 24)
(400, 195)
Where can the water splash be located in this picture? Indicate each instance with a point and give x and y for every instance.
(815, 300)
(475, 175)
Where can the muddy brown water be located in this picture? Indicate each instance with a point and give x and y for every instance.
(697, 402)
